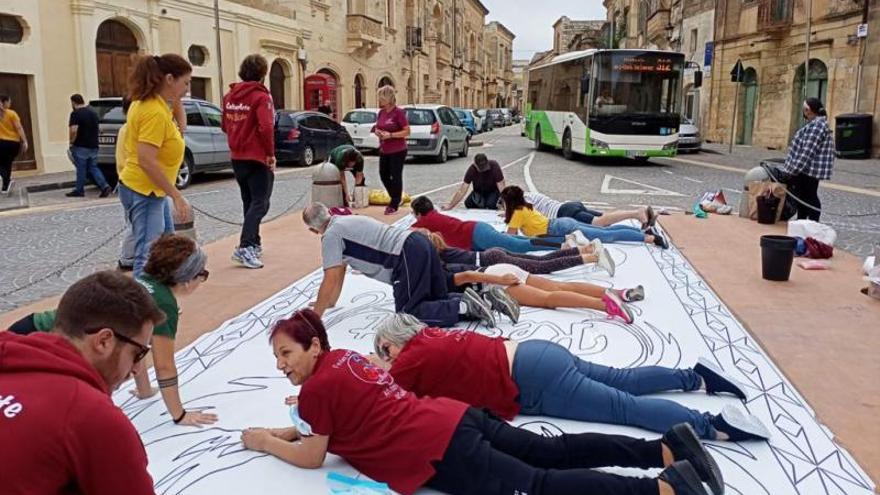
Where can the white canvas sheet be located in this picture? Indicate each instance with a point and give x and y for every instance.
(233, 371)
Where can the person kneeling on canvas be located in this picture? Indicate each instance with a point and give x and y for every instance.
(356, 410)
(542, 378)
(487, 179)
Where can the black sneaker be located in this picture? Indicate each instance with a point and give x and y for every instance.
(477, 307)
(685, 446)
(683, 479)
(500, 301)
(716, 381)
(74, 194)
(107, 191)
(659, 240)
(739, 426)
(123, 267)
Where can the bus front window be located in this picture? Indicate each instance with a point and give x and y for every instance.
(642, 83)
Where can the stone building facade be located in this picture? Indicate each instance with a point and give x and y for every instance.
(499, 70)
(430, 50)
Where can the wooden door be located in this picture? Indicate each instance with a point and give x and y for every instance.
(198, 88)
(16, 87)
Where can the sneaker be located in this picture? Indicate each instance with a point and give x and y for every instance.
(569, 243)
(683, 479)
(500, 300)
(124, 267)
(245, 256)
(635, 294)
(390, 211)
(579, 238)
(477, 307)
(686, 446)
(106, 192)
(659, 240)
(75, 194)
(596, 245)
(606, 262)
(258, 252)
(739, 426)
(5, 192)
(614, 306)
(717, 381)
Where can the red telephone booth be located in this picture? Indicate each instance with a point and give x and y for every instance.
(320, 93)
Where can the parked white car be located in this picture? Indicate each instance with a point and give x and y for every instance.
(359, 123)
(689, 139)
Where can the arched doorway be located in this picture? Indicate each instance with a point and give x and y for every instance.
(321, 91)
(278, 84)
(360, 100)
(385, 81)
(115, 46)
(749, 102)
(816, 86)
(332, 91)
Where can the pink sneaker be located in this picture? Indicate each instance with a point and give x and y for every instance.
(390, 211)
(614, 306)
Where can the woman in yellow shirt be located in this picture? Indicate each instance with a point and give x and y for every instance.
(519, 216)
(12, 141)
(153, 150)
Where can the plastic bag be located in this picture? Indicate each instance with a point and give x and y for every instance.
(809, 228)
(339, 485)
(360, 197)
(381, 198)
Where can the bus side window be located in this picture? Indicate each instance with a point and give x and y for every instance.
(585, 90)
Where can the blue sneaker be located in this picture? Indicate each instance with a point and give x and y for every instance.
(247, 258)
(258, 251)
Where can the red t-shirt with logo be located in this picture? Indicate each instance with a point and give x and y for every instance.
(392, 121)
(381, 429)
(461, 365)
(457, 233)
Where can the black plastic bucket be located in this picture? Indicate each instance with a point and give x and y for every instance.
(767, 209)
(777, 254)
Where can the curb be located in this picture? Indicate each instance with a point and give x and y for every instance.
(24, 200)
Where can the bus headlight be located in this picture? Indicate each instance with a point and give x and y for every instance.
(671, 146)
(595, 143)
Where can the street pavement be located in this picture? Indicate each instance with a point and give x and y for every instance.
(58, 241)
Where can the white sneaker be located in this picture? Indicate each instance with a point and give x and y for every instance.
(606, 262)
(580, 238)
(569, 242)
(5, 192)
(597, 245)
(247, 258)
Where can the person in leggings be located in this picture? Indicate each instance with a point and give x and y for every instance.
(392, 129)
(353, 409)
(476, 236)
(12, 141)
(551, 209)
(520, 215)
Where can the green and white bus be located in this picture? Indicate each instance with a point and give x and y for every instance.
(623, 103)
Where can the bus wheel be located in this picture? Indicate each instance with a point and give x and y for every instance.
(538, 144)
(566, 145)
(642, 159)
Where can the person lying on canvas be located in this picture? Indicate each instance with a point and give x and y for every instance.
(542, 378)
(357, 411)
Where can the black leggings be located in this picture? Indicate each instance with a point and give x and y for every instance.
(255, 182)
(537, 264)
(391, 173)
(487, 456)
(8, 151)
(24, 326)
(807, 189)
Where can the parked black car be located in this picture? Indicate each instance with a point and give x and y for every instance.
(497, 117)
(306, 137)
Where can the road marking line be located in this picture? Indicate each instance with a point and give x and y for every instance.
(527, 173)
(692, 180)
(669, 172)
(823, 184)
(649, 190)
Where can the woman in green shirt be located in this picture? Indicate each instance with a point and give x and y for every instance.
(175, 268)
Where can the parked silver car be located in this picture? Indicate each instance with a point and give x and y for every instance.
(206, 146)
(435, 131)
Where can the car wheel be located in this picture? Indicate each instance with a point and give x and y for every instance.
(184, 173)
(566, 146)
(308, 156)
(464, 150)
(444, 153)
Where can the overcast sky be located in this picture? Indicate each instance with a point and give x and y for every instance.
(532, 20)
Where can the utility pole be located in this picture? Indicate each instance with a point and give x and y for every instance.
(807, 63)
(217, 40)
(454, 51)
(736, 76)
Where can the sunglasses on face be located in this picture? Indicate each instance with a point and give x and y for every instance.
(143, 350)
(203, 275)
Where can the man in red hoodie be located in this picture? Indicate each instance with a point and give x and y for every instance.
(249, 123)
(60, 432)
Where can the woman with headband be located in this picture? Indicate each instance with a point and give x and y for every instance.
(355, 410)
(175, 269)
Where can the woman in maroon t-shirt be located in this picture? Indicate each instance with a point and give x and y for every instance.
(356, 410)
(542, 378)
(392, 129)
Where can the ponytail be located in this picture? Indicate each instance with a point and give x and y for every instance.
(149, 73)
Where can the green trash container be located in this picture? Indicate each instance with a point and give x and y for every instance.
(852, 135)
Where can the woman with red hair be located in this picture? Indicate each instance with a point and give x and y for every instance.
(355, 410)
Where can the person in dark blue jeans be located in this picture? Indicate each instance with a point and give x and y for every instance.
(83, 125)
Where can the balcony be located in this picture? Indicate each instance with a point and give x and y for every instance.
(444, 53)
(657, 27)
(775, 15)
(364, 33)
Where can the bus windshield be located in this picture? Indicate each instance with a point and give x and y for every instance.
(633, 82)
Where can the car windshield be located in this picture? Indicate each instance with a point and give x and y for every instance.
(686, 121)
(418, 116)
(360, 118)
(642, 83)
(461, 114)
(109, 111)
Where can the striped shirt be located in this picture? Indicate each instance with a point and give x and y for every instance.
(545, 205)
(363, 243)
(812, 150)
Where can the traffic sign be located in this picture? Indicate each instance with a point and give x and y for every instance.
(737, 73)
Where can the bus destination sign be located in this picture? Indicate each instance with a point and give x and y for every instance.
(644, 64)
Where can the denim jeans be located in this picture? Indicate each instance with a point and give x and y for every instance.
(86, 161)
(554, 382)
(485, 236)
(127, 250)
(614, 233)
(148, 216)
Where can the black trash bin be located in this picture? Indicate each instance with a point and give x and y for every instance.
(777, 254)
(852, 135)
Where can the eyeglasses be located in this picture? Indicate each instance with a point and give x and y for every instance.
(142, 349)
(203, 275)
